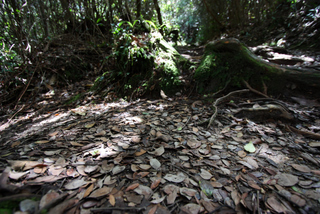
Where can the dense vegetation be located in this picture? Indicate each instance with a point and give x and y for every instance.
(126, 45)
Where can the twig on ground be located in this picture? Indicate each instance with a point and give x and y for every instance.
(254, 90)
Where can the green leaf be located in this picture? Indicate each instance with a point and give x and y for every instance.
(249, 147)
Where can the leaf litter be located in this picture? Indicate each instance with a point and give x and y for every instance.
(152, 156)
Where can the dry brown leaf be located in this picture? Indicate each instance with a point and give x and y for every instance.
(14, 144)
(132, 187)
(40, 170)
(135, 139)
(101, 192)
(109, 181)
(81, 169)
(74, 143)
(178, 178)
(47, 179)
(235, 197)
(48, 198)
(17, 175)
(88, 191)
(155, 163)
(187, 192)
(75, 184)
(144, 166)
(112, 200)
(301, 168)
(225, 171)
(298, 200)
(153, 209)
(285, 179)
(139, 153)
(42, 141)
(172, 191)
(159, 151)
(23, 165)
(89, 125)
(134, 167)
(254, 185)
(192, 208)
(144, 190)
(242, 154)
(52, 134)
(193, 143)
(116, 129)
(276, 205)
(155, 183)
(71, 172)
(206, 175)
(90, 169)
(118, 169)
(60, 208)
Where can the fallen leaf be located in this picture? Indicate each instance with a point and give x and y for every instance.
(276, 205)
(17, 175)
(285, 179)
(155, 164)
(89, 125)
(118, 169)
(42, 141)
(249, 147)
(158, 152)
(188, 192)
(141, 152)
(109, 181)
(101, 192)
(157, 199)
(153, 209)
(192, 208)
(75, 184)
(144, 190)
(301, 168)
(242, 154)
(206, 175)
(178, 178)
(172, 191)
(88, 191)
(112, 200)
(193, 143)
(132, 187)
(73, 143)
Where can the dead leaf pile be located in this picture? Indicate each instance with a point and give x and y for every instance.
(152, 157)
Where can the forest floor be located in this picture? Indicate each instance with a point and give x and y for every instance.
(157, 155)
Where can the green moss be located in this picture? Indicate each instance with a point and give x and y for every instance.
(229, 61)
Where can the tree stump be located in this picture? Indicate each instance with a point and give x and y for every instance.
(228, 61)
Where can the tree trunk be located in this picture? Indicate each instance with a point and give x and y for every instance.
(67, 15)
(229, 61)
(213, 16)
(158, 13)
(128, 11)
(138, 9)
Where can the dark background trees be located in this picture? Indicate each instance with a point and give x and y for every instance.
(75, 38)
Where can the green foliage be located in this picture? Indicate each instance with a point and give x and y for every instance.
(132, 52)
(8, 59)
